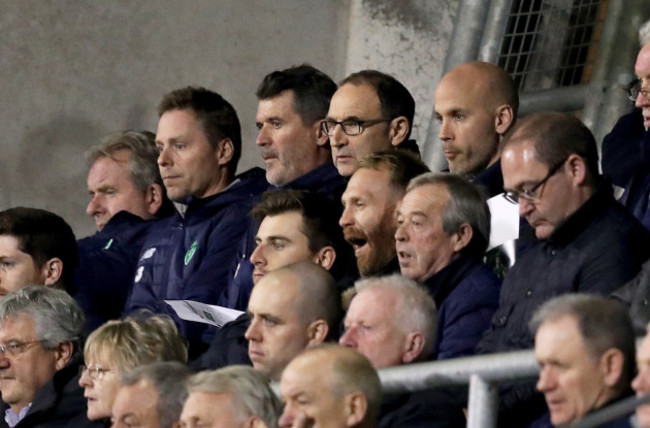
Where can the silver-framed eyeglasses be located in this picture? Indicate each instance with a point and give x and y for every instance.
(13, 349)
(350, 127)
(532, 194)
(634, 88)
(94, 372)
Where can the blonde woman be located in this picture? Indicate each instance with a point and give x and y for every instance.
(117, 347)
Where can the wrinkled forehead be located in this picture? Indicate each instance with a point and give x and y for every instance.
(17, 325)
(358, 101)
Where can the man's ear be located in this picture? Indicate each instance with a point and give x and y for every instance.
(153, 198)
(325, 257)
(577, 167)
(413, 347)
(462, 237)
(611, 366)
(504, 118)
(317, 331)
(356, 407)
(52, 271)
(255, 422)
(225, 151)
(322, 139)
(62, 354)
(399, 129)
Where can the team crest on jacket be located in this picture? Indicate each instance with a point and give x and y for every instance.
(190, 253)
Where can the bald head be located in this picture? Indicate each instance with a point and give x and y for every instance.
(476, 103)
(340, 385)
(291, 308)
(318, 297)
(487, 82)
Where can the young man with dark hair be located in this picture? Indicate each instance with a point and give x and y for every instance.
(187, 256)
(295, 226)
(37, 247)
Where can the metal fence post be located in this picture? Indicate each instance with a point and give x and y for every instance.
(482, 404)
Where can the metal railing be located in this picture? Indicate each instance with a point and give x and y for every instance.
(481, 373)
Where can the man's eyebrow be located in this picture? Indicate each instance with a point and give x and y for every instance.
(277, 238)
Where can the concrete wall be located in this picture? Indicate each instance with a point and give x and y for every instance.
(74, 71)
(408, 39)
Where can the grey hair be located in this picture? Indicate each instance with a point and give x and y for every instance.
(466, 205)
(644, 33)
(57, 317)
(168, 378)
(603, 323)
(143, 162)
(249, 390)
(416, 310)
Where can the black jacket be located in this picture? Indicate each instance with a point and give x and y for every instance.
(57, 402)
(596, 250)
(107, 263)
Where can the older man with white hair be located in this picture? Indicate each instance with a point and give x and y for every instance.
(392, 321)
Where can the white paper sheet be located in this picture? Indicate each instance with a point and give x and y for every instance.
(189, 310)
(504, 226)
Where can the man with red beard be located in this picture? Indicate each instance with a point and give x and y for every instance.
(369, 201)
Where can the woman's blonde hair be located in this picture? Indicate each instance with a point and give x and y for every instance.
(131, 342)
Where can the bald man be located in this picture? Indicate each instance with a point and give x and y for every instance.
(330, 386)
(290, 309)
(476, 104)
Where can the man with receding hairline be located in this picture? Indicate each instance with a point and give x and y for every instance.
(476, 104)
(587, 241)
(369, 113)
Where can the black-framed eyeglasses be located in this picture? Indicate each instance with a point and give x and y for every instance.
(95, 372)
(16, 348)
(634, 88)
(350, 127)
(532, 194)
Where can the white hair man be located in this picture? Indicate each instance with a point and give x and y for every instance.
(392, 321)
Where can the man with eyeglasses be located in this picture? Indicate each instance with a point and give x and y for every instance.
(40, 334)
(370, 112)
(627, 146)
(587, 242)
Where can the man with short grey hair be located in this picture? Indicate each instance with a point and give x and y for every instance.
(585, 348)
(151, 396)
(392, 321)
(40, 334)
(443, 230)
(126, 191)
(235, 396)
